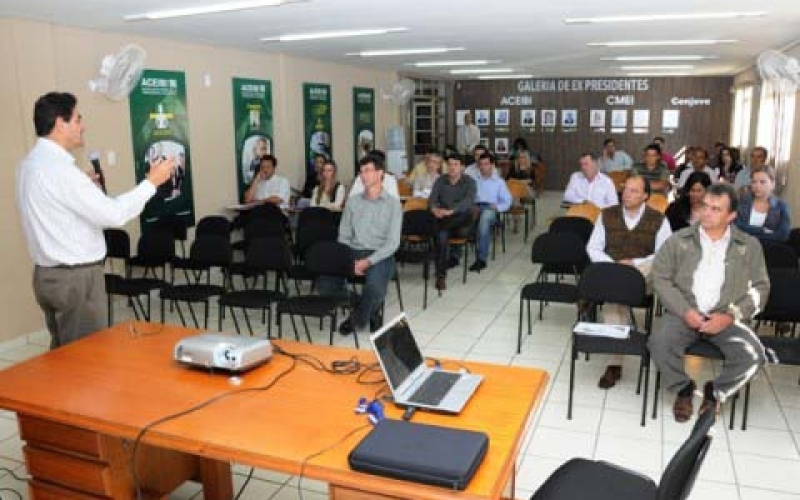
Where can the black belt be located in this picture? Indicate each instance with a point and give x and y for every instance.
(78, 266)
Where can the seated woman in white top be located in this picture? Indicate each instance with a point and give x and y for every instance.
(423, 182)
(329, 193)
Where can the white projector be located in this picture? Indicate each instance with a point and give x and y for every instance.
(223, 352)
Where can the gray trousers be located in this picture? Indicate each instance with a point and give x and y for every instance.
(744, 354)
(73, 301)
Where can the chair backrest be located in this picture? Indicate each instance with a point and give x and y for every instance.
(518, 188)
(212, 225)
(785, 349)
(658, 201)
(212, 250)
(794, 240)
(267, 210)
(586, 210)
(783, 302)
(577, 225)
(619, 177)
(264, 227)
(315, 227)
(562, 249)
(678, 478)
(613, 283)
(415, 204)
(419, 223)
(268, 254)
(779, 255)
(118, 244)
(156, 247)
(404, 188)
(330, 258)
(173, 224)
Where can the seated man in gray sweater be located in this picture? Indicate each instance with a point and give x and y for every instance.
(371, 226)
(711, 279)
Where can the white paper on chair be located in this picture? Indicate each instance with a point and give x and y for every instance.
(602, 330)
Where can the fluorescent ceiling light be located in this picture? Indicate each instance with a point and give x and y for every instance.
(659, 73)
(665, 67)
(503, 77)
(207, 9)
(478, 71)
(433, 64)
(298, 37)
(403, 52)
(655, 43)
(662, 17)
(658, 58)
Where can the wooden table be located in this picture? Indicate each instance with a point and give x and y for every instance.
(80, 407)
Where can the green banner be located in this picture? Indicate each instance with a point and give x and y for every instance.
(252, 119)
(160, 128)
(363, 122)
(318, 125)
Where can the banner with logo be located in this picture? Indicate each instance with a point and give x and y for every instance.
(363, 122)
(160, 128)
(318, 124)
(253, 128)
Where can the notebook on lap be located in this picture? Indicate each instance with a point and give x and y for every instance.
(411, 380)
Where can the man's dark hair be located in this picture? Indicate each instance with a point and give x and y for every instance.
(719, 144)
(376, 161)
(725, 189)
(590, 155)
(378, 154)
(455, 157)
(659, 138)
(486, 156)
(271, 158)
(480, 147)
(655, 147)
(701, 150)
(609, 141)
(763, 150)
(51, 106)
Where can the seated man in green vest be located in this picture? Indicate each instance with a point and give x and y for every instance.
(630, 234)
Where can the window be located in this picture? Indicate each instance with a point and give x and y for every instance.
(742, 109)
(776, 120)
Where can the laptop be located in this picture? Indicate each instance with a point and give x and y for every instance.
(411, 380)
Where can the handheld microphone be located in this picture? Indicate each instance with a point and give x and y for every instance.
(94, 158)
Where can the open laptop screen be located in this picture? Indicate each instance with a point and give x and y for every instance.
(398, 351)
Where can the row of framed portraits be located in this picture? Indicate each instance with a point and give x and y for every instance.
(569, 118)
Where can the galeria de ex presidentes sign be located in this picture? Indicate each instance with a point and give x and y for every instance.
(622, 91)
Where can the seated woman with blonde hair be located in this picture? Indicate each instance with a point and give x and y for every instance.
(760, 212)
(329, 193)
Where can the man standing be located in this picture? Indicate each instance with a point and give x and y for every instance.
(629, 234)
(268, 186)
(653, 169)
(492, 197)
(371, 226)
(63, 214)
(591, 185)
(467, 136)
(711, 279)
(451, 201)
(613, 159)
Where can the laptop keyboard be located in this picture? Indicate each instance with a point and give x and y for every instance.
(434, 389)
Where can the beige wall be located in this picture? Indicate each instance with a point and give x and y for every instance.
(791, 192)
(39, 57)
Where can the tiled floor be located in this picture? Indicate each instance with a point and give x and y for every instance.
(478, 321)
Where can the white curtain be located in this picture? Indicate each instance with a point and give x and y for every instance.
(776, 122)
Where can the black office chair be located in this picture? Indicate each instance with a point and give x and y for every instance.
(563, 251)
(118, 247)
(324, 258)
(783, 304)
(778, 255)
(257, 228)
(263, 255)
(314, 224)
(580, 478)
(208, 252)
(154, 250)
(611, 283)
(579, 226)
(417, 244)
(176, 226)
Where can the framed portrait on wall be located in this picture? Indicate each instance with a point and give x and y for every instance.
(501, 118)
(460, 114)
(569, 118)
(527, 118)
(549, 118)
(501, 145)
(482, 118)
(597, 118)
(619, 119)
